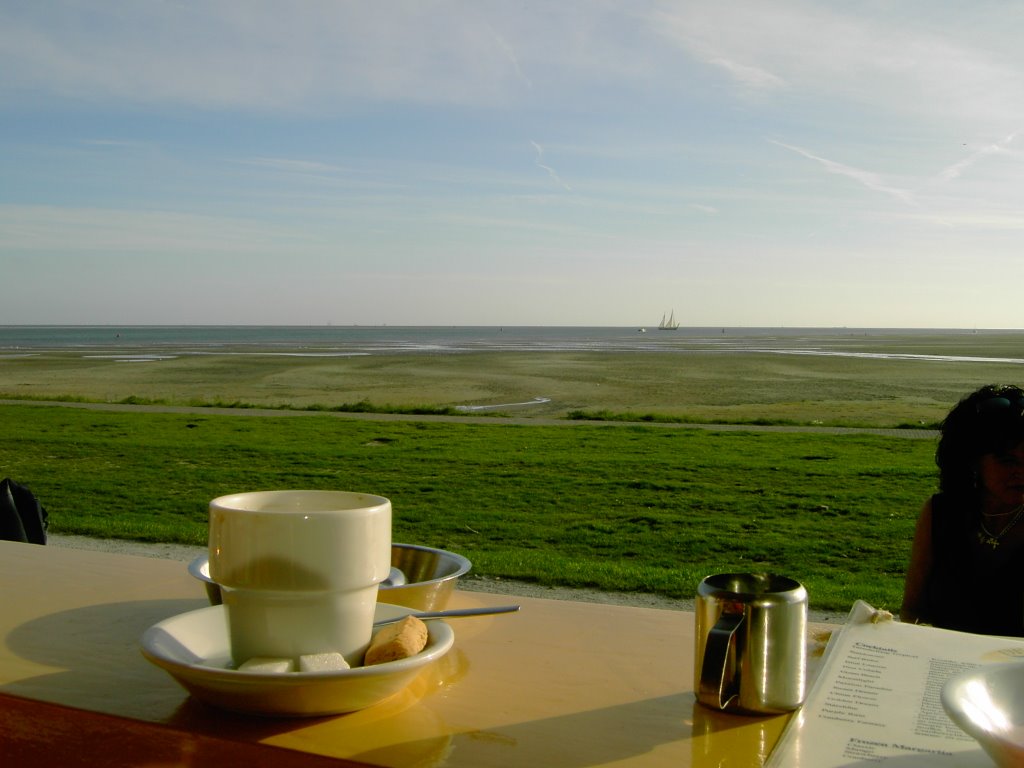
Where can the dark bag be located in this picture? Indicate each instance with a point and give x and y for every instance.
(22, 517)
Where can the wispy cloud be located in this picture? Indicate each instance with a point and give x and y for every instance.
(748, 75)
(904, 61)
(118, 144)
(316, 56)
(83, 230)
(702, 208)
(980, 220)
(292, 165)
(335, 56)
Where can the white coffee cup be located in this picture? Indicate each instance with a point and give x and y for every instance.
(299, 570)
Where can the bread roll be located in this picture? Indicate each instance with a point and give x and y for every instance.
(397, 641)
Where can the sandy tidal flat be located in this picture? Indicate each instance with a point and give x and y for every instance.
(879, 381)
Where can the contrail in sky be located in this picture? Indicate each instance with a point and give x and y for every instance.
(868, 179)
(548, 168)
(954, 171)
(513, 59)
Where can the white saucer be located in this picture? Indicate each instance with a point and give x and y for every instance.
(194, 648)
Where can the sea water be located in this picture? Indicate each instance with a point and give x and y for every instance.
(142, 343)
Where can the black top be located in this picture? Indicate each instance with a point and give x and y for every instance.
(972, 588)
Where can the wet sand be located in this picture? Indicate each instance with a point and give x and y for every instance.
(699, 386)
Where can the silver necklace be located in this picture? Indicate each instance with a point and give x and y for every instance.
(985, 536)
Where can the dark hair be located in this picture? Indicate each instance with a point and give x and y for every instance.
(987, 421)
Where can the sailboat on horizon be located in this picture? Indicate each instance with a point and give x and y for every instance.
(669, 323)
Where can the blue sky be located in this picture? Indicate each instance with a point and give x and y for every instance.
(485, 162)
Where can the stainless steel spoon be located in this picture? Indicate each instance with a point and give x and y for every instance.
(452, 613)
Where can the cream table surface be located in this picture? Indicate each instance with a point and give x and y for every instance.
(560, 683)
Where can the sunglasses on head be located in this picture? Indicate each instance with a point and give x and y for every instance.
(1008, 403)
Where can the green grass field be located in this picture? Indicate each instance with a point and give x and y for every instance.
(624, 507)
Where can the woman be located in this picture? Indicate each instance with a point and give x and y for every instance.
(967, 562)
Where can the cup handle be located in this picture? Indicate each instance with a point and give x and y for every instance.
(718, 683)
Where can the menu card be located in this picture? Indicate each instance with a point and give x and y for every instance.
(876, 698)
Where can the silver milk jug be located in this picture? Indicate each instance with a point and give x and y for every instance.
(750, 647)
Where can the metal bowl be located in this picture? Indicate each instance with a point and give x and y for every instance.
(421, 577)
(430, 577)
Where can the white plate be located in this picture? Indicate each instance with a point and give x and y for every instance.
(988, 703)
(194, 648)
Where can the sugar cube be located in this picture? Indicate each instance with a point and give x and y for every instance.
(320, 662)
(266, 664)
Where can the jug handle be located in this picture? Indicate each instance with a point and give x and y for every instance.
(718, 685)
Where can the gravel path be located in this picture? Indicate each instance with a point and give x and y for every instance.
(470, 583)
